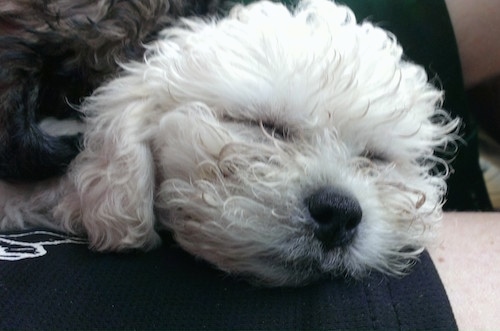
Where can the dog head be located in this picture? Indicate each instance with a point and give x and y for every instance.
(295, 143)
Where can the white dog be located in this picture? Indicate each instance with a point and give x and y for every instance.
(278, 145)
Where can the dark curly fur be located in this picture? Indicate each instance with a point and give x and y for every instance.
(53, 53)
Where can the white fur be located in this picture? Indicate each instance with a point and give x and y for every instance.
(228, 126)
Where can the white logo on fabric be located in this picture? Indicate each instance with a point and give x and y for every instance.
(15, 247)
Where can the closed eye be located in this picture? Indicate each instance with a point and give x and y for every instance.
(375, 157)
(269, 128)
(275, 131)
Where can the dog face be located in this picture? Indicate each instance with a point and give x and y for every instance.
(281, 146)
(295, 145)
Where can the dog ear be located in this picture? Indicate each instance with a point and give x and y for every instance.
(114, 174)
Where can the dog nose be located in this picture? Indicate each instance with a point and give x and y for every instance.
(337, 215)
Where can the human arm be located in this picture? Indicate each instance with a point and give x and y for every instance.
(467, 257)
(477, 26)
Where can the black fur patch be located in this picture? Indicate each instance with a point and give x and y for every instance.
(54, 53)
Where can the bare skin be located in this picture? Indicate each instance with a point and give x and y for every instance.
(477, 26)
(467, 253)
(477, 30)
(467, 257)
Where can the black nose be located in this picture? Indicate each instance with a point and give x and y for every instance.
(337, 214)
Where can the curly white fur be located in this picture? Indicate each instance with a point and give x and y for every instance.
(227, 127)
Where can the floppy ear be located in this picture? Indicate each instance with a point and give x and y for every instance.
(114, 174)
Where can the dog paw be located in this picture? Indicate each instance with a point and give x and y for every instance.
(118, 240)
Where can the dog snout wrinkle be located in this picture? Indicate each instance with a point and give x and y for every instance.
(337, 215)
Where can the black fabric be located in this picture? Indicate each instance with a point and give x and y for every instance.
(72, 288)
